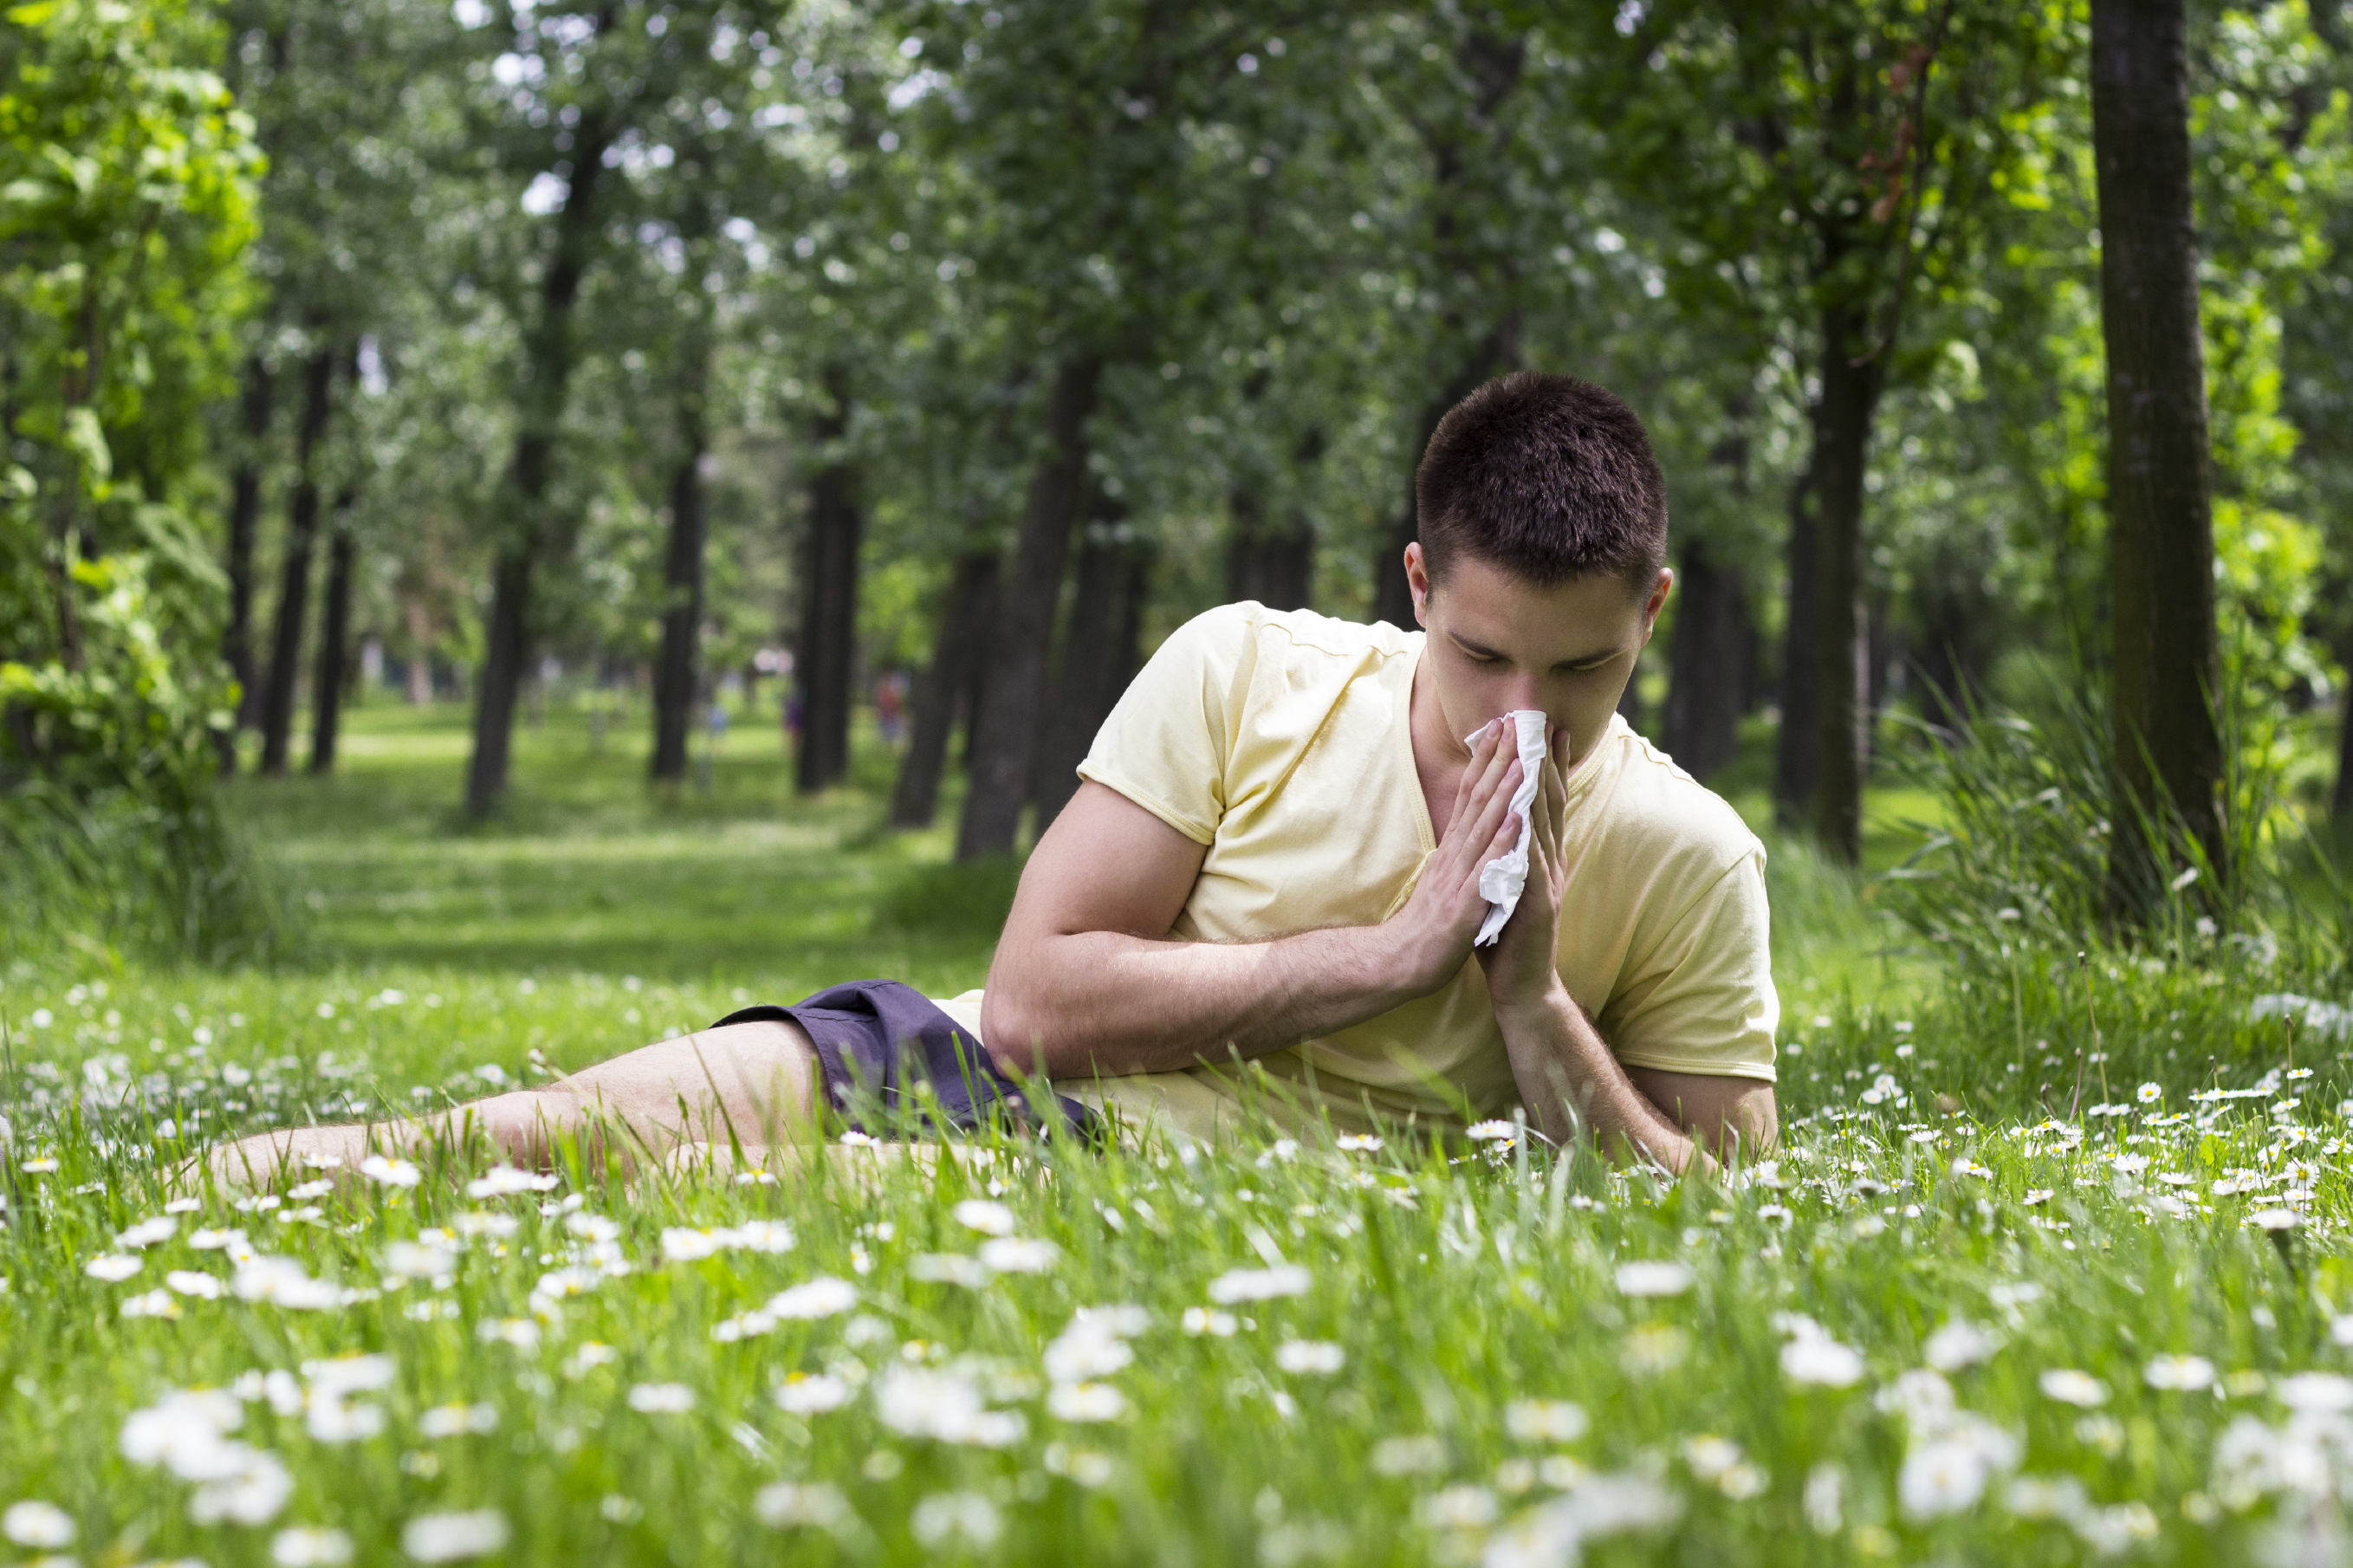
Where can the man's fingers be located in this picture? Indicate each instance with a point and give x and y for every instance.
(1475, 804)
(1556, 789)
(1507, 834)
(1556, 798)
(1483, 751)
(1495, 781)
(1496, 807)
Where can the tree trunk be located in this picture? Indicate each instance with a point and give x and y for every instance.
(1465, 152)
(964, 613)
(1269, 560)
(1882, 665)
(294, 577)
(1091, 675)
(1795, 759)
(327, 682)
(1494, 353)
(420, 657)
(1011, 710)
(244, 526)
(1274, 565)
(1952, 619)
(972, 695)
(549, 350)
(825, 662)
(1842, 446)
(1707, 666)
(2169, 753)
(678, 667)
(1127, 644)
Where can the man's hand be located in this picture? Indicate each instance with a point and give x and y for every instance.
(1523, 966)
(1434, 931)
(1568, 1076)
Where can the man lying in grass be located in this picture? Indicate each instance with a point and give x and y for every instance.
(1249, 899)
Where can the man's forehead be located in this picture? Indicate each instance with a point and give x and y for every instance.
(1583, 619)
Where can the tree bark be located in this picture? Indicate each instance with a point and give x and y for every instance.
(244, 526)
(1127, 641)
(1795, 759)
(294, 575)
(1275, 566)
(1883, 663)
(678, 667)
(1495, 352)
(1462, 151)
(1272, 560)
(420, 657)
(964, 614)
(1841, 447)
(1707, 666)
(826, 660)
(972, 696)
(2169, 750)
(1955, 627)
(1011, 710)
(549, 351)
(1110, 580)
(328, 681)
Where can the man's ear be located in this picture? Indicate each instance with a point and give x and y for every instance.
(1660, 589)
(1416, 579)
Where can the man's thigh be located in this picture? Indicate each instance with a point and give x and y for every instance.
(757, 1082)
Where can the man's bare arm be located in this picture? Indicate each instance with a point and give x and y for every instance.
(1725, 1116)
(1086, 979)
(1572, 1084)
(1567, 1076)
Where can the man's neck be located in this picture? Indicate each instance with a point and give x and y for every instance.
(1439, 754)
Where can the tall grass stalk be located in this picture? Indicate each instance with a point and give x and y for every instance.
(2013, 892)
(113, 875)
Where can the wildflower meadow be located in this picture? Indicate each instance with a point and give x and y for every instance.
(2111, 1319)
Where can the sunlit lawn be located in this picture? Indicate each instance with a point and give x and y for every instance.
(1912, 1337)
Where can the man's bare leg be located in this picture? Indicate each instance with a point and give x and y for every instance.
(752, 1083)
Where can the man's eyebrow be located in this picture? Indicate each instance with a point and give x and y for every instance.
(1480, 650)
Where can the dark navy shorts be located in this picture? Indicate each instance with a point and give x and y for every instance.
(878, 1042)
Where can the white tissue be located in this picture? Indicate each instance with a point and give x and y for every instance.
(1502, 878)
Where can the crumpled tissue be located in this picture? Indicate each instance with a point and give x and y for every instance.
(1502, 878)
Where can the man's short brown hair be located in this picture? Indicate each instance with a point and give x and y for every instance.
(1546, 476)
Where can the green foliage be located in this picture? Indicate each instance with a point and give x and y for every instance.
(101, 878)
(2022, 860)
(2012, 891)
(125, 200)
(136, 709)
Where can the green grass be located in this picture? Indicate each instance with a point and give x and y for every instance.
(1776, 1406)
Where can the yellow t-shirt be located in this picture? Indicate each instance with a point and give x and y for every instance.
(1280, 741)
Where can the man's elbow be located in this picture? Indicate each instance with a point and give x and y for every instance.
(1747, 1129)
(1012, 1032)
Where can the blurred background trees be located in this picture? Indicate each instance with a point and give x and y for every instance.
(920, 365)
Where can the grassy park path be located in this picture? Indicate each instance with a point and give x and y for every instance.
(1929, 1329)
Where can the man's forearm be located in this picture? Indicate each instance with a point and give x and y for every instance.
(1571, 1083)
(1100, 1002)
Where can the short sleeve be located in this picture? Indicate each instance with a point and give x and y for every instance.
(1167, 741)
(1700, 997)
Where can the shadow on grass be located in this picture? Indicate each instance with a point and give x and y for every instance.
(964, 902)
